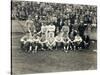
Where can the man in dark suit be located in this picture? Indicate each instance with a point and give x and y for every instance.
(60, 23)
(86, 41)
(81, 29)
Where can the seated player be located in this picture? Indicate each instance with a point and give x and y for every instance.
(86, 41)
(51, 28)
(43, 41)
(72, 35)
(67, 43)
(59, 41)
(36, 43)
(77, 42)
(51, 41)
(23, 41)
(27, 43)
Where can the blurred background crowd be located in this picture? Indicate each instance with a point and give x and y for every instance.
(78, 17)
(48, 11)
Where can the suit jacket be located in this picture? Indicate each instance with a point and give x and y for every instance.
(86, 38)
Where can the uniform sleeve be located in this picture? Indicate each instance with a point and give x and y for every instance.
(80, 39)
(26, 23)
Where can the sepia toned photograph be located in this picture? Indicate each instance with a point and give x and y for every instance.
(52, 37)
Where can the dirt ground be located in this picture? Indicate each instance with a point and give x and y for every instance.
(50, 61)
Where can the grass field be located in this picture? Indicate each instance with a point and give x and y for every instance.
(49, 61)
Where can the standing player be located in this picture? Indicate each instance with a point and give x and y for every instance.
(30, 25)
(50, 30)
(43, 30)
(65, 29)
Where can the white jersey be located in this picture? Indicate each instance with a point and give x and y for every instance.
(29, 23)
(43, 29)
(51, 42)
(23, 38)
(30, 26)
(26, 39)
(50, 35)
(94, 25)
(43, 39)
(59, 39)
(78, 39)
(51, 28)
(37, 39)
(30, 40)
(65, 31)
(50, 31)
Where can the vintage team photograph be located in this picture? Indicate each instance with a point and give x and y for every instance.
(52, 37)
